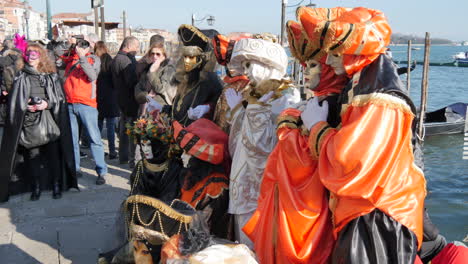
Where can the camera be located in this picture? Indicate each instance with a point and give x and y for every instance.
(84, 44)
(35, 100)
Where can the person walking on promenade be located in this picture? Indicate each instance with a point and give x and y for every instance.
(123, 68)
(80, 88)
(106, 97)
(37, 104)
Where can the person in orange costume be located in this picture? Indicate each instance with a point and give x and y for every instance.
(292, 223)
(367, 163)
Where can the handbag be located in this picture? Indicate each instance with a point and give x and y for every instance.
(39, 128)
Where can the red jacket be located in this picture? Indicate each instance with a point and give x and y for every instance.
(80, 84)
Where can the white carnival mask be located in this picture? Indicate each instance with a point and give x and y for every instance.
(258, 72)
(259, 59)
(336, 62)
(312, 74)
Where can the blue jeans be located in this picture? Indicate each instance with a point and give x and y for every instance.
(88, 117)
(111, 122)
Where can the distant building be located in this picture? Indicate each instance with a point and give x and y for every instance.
(16, 17)
(144, 35)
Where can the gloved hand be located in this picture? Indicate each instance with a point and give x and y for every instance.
(152, 104)
(198, 112)
(191, 114)
(233, 98)
(314, 113)
(266, 97)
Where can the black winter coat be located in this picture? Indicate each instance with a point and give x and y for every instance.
(124, 77)
(106, 91)
(17, 103)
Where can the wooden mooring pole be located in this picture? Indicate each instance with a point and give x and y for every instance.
(465, 143)
(408, 74)
(424, 85)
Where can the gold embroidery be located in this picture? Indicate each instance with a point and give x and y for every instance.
(159, 205)
(380, 99)
(292, 119)
(155, 167)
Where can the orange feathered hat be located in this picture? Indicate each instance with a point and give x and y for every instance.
(202, 139)
(223, 48)
(357, 31)
(360, 31)
(301, 48)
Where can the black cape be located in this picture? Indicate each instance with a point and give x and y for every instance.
(17, 103)
(201, 89)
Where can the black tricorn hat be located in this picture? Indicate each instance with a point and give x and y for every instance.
(193, 36)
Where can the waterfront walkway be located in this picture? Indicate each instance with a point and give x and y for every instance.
(74, 229)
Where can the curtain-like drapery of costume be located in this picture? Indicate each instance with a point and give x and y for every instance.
(252, 140)
(292, 223)
(368, 163)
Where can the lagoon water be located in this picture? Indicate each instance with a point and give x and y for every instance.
(445, 170)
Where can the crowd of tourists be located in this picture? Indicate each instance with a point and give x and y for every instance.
(240, 170)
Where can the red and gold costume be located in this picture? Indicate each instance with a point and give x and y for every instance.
(206, 184)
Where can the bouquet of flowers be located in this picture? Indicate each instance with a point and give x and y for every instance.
(156, 126)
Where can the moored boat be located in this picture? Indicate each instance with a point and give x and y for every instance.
(461, 58)
(446, 120)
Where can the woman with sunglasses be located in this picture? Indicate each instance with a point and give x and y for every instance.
(36, 98)
(155, 79)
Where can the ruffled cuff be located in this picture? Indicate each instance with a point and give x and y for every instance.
(316, 136)
(289, 119)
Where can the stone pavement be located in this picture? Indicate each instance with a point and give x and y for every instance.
(74, 229)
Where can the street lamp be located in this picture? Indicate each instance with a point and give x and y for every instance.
(209, 18)
(311, 5)
(49, 21)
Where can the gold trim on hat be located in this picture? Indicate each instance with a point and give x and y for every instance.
(195, 31)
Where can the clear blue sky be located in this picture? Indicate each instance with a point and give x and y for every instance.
(446, 19)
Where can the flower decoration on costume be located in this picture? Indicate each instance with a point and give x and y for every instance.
(156, 126)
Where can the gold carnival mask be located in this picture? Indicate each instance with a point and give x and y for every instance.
(192, 57)
(190, 63)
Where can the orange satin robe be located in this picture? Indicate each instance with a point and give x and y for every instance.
(368, 163)
(292, 222)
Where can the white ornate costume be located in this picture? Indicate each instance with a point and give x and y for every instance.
(252, 133)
